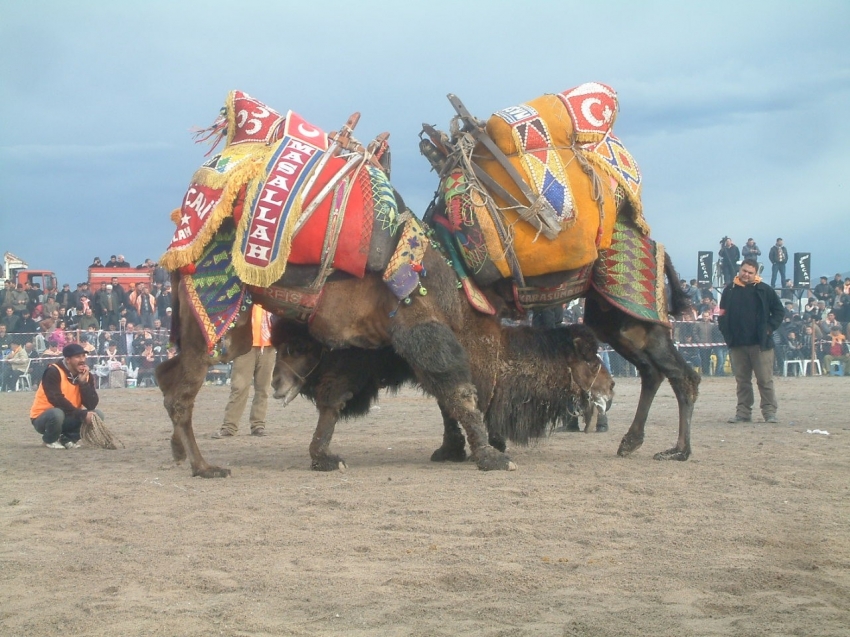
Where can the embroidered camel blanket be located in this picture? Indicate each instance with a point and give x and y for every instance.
(281, 181)
(564, 148)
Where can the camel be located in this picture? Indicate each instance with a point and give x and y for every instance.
(528, 380)
(430, 329)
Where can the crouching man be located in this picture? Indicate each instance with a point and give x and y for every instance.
(65, 399)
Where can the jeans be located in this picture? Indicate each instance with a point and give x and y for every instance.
(778, 268)
(53, 425)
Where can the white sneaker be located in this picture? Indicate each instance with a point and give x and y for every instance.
(72, 445)
(54, 445)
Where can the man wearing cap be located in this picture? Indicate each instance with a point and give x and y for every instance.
(65, 399)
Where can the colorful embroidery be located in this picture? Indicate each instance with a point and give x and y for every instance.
(630, 274)
(402, 273)
(215, 292)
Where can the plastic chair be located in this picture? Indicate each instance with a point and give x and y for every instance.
(24, 379)
(816, 366)
(836, 368)
(798, 363)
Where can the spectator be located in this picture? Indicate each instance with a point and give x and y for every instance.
(96, 263)
(65, 296)
(163, 300)
(87, 320)
(161, 275)
(18, 299)
(166, 321)
(5, 297)
(17, 363)
(751, 251)
(750, 313)
(65, 400)
(145, 305)
(793, 347)
(838, 351)
(148, 264)
(10, 320)
(778, 256)
(254, 367)
(50, 305)
(837, 284)
(692, 292)
(26, 325)
(146, 365)
(729, 257)
(824, 291)
(112, 263)
(121, 263)
(830, 322)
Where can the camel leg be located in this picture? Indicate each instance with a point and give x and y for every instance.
(180, 379)
(685, 383)
(453, 447)
(649, 347)
(628, 337)
(180, 383)
(442, 368)
(320, 459)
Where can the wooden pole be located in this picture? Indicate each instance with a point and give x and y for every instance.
(813, 346)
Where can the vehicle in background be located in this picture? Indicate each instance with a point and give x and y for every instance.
(127, 277)
(17, 270)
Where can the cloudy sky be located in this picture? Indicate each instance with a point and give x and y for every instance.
(735, 111)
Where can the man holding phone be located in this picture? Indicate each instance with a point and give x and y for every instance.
(66, 398)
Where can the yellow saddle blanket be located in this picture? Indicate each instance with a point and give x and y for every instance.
(563, 146)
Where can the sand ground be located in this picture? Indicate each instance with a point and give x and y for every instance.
(749, 537)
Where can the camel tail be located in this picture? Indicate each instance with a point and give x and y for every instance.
(679, 301)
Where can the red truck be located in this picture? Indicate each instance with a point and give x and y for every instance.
(127, 277)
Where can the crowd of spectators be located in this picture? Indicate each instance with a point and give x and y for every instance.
(817, 320)
(124, 330)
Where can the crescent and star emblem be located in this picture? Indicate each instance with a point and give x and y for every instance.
(308, 132)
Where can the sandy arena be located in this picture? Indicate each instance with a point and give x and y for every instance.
(749, 537)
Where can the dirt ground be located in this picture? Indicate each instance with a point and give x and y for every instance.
(749, 537)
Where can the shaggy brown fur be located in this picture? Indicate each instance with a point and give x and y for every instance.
(535, 379)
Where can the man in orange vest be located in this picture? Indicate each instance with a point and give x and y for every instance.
(66, 398)
(257, 366)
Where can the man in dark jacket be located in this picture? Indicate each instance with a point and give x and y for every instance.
(729, 257)
(778, 256)
(750, 312)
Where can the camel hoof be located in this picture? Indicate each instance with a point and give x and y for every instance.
(491, 460)
(212, 472)
(449, 454)
(627, 446)
(601, 428)
(673, 454)
(328, 463)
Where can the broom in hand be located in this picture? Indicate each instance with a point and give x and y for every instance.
(97, 434)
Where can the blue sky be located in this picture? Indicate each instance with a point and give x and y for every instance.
(735, 111)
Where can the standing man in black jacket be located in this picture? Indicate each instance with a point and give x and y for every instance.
(750, 312)
(778, 256)
(729, 256)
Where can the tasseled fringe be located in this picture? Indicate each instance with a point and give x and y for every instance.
(634, 199)
(660, 284)
(212, 134)
(234, 181)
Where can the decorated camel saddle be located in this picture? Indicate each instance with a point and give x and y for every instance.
(545, 194)
(283, 207)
